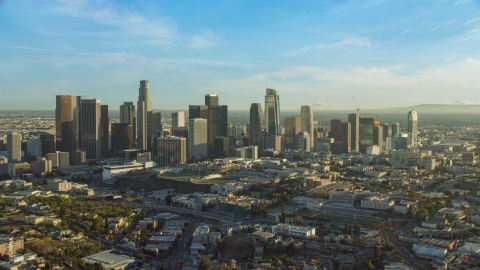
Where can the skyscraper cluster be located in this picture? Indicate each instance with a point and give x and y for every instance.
(83, 124)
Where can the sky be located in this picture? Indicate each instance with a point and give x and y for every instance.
(385, 53)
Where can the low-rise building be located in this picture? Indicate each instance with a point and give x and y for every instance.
(200, 235)
(377, 202)
(293, 231)
(109, 260)
(10, 245)
(59, 185)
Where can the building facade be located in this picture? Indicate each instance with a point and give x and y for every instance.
(171, 151)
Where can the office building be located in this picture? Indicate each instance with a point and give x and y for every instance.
(14, 147)
(67, 122)
(59, 159)
(222, 146)
(41, 166)
(34, 148)
(306, 113)
(341, 132)
(197, 138)
(354, 120)
(105, 129)
(395, 129)
(171, 151)
(128, 116)
(272, 112)
(48, 143)
(323, 144)
(256, 125)
(59, 185)
(248, 152)
(90, 127)
(78, 157)
(7, 170)
(272, 142)
(3, 144)
(412, 129)
(385, 131)
(217, 123)
(178, 120)
(211, 100)
(121, 137)
(197, 111)
(365, 134)
(293, 125)
(378, 137)
(302, 141)
(157, 122)
(144, 105)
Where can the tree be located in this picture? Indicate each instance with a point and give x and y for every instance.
(356, 229)
(422, 214)
(204, 264)
(168, 199)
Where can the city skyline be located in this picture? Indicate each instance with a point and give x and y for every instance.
(411, 52)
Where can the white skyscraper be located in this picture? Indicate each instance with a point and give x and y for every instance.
(14, 147)
(178, 120)
(144, 105)
(197, 138)
(412, 129)
(306, 113)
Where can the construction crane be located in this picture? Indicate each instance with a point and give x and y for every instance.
(356, 107)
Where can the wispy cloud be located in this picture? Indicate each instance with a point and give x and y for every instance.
(324, 104)
(472, 21)
(126, 55)
(160, 29)
(204, 39)
(348, 43)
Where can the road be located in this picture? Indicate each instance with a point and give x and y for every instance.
(178, 254)
(402, 251)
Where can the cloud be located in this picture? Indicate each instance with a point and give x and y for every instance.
(472, 21)
(356, 42)
(464, 102)
(205, 39)
(324, 104)
(161, 29)
(295, 52)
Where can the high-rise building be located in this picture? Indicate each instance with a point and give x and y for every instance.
(385, 131)
(256, 125)
(48, 143)
(302, 141)
(77, 157)
(34, 148)
(211, 100)
(395, 129)
(197, 138)
(306, 113)
(144, 105)
(171, 151)
(178, 120)
(41, 166)
(272, 112)
(198, 111)
(222, 146)
(365, 134)
(273, 142)
(128, 115)
(59, 159)
(14, 147)
(121, 137)
(157, 122)
(105, 129)
(293, 125)
(7, 170)
(67, 122)
(90, 127)
(378, 137)
(341, 132)
(412, 129)
(354, 120)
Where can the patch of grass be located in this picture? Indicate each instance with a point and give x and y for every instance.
(237, 246)
(45, 245)
(335, 219)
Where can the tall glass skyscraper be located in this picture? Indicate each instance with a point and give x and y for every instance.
(354, 120)
(256, 125)
(272, 112)
(306, 113)
(144, 105)
(412, 129)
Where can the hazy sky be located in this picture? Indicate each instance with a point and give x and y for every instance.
(385, 53)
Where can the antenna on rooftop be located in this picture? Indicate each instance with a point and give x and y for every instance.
(358, 109)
